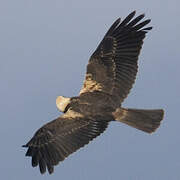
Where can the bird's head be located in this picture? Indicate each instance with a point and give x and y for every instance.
(62, 102)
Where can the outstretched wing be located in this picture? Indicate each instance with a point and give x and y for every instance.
(58, 139)
(113, 66)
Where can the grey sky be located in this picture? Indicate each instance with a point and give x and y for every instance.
(45, 46)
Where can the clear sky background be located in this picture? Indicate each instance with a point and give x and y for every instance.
(44, 49)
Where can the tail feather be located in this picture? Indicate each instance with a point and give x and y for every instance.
(145, 120)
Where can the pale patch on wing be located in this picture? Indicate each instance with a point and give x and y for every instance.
(90, 85)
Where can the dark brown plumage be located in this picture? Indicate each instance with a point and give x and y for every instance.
(113, 66)
(58, 139)
(110, 75)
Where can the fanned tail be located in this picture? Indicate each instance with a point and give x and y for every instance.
(145, 120)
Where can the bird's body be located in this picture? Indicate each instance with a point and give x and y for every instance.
(111, 72)
(93, 103)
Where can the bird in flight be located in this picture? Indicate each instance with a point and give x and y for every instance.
(110, 75)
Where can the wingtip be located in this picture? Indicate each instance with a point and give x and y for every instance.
(147, 29)
(142, 15)
(51, 172)
(133, 12)
(118, 20)
(148, 20)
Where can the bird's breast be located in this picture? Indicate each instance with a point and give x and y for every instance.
(92, 107)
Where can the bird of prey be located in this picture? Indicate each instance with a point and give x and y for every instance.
(110, 75)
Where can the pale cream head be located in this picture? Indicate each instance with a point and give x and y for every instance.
(62, 102)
